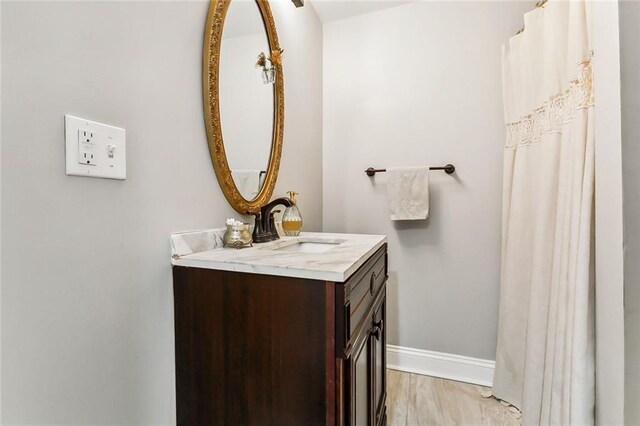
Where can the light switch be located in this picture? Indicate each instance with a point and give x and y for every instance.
(94, 149)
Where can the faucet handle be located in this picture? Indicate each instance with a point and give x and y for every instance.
(257, 226)
(271, 225)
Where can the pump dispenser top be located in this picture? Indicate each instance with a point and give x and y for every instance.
(292, 196)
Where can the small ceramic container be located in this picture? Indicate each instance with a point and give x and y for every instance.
(237, 236)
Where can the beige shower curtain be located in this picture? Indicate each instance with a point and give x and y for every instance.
(545, 354)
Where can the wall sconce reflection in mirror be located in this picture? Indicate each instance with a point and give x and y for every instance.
(268, 65)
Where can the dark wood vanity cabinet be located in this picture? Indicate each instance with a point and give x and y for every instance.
(269, 350)
(366, 374)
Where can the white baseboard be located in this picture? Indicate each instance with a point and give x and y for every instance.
(439, 364)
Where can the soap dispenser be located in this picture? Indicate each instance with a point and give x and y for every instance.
(291, 219)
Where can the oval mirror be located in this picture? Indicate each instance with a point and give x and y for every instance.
(243, 100)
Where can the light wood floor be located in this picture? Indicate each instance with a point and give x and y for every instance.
(414, 400)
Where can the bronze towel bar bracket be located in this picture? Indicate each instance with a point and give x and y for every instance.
(448, 169)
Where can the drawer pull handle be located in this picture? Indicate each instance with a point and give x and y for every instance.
(377, 330)
(380, 324)
(372, 283)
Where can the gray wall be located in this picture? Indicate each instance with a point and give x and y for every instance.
(87, 318)
(0, 213)
(420, 84)
(630, 84)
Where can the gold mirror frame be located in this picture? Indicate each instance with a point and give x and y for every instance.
(210, 79)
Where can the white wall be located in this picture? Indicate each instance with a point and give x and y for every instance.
(300, 35)
(0, 214)
(87, 317)
(630, 81)
(420, 84)
(609, 258)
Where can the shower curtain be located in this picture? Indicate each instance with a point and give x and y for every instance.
(545, 354)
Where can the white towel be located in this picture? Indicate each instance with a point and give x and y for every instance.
(408, 189)
(247, 182)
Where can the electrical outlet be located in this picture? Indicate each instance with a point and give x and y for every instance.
(86, 147)
(94, 149)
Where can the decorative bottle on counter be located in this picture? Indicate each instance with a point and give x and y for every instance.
(292, 219)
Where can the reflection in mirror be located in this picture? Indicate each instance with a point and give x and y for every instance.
(246, 102)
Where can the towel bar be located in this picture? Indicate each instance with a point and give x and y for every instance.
(448, 169)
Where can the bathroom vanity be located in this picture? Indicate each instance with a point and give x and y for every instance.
(289, 333)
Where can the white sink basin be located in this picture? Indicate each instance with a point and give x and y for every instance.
(305, 245)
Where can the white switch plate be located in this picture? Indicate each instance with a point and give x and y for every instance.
(94, 149)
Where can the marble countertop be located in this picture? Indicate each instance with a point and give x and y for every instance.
(203, 249)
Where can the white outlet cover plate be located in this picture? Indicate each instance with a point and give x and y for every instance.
(106, 139)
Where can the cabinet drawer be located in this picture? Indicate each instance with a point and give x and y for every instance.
(354, 299)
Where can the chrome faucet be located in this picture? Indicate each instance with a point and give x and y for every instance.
(265, 229)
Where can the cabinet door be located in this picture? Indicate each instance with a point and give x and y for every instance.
(379, 361)
(361, 381)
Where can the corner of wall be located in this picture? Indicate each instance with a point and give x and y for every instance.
(0, 212)
(609, 253)
(630, 88)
